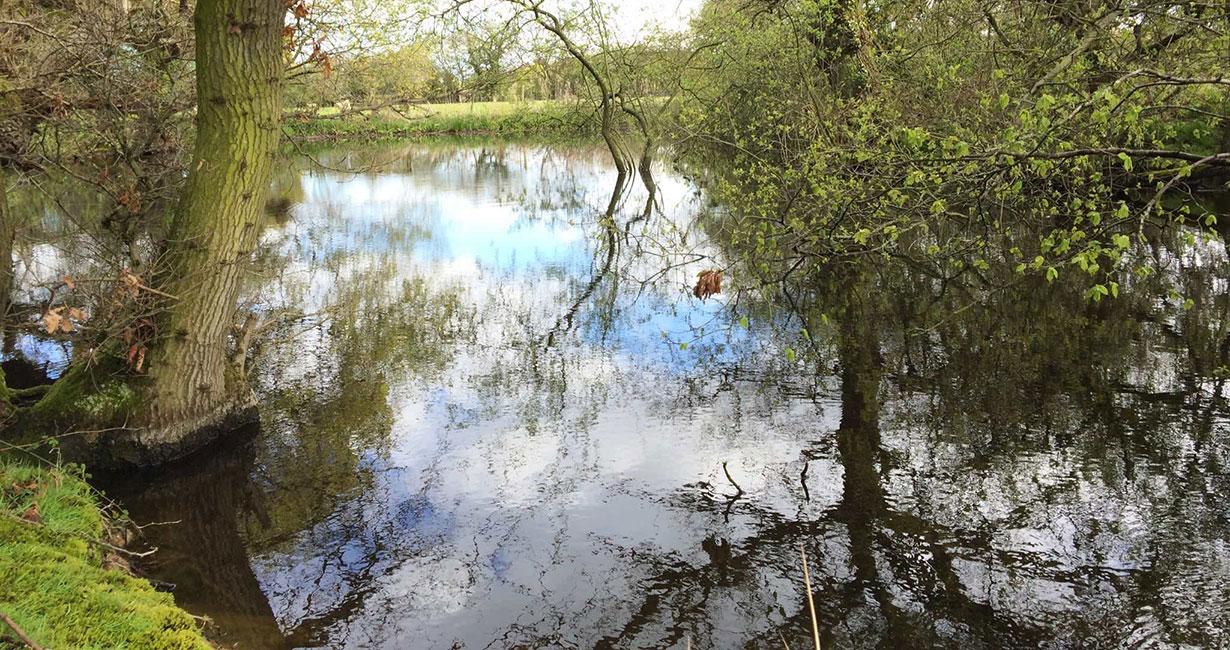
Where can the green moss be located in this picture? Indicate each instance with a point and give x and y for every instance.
(83, 395)
(55, 585)
(112, 399)
(6, 395)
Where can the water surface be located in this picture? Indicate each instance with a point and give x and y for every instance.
(503, 421)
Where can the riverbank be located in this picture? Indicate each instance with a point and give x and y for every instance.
(478, 118)
(64, 585)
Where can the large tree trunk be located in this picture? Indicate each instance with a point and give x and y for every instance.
(191, 395)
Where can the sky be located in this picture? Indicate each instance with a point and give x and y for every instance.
(632, 16)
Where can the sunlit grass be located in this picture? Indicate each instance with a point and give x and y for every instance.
(543, 116)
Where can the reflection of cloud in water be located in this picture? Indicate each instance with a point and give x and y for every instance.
(562, 496)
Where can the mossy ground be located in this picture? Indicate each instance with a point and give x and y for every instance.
(55, 585)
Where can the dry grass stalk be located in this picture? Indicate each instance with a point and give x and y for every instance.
(811, 604)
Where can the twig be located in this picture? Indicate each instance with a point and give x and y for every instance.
(156, 291)
(87, 538)
(811, 605)
(158, 523)
(1166, 188)
(21, 634)
(732, 482)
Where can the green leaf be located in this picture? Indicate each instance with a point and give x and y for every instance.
(790, 355)
(1127, 161)
(743, 322)
(1051, 274)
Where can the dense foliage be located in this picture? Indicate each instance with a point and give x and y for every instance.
(1046, 138)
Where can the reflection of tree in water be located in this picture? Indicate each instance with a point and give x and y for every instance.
(201, 551)
(302, 474)
(761, 571)
(905, 559)
(1018, 472)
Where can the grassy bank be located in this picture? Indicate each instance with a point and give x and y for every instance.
(58, 587)
(499, 118)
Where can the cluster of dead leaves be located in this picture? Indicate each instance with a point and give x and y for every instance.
(322, 57)
(137, 337)
(59, 320)
(129, 285)
(130, 199)
(708, 283)
(298, 8)
(140, 332)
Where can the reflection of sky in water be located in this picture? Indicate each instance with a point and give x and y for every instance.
(51, 357)
(557, 497)
(467, 231)
(523, 233)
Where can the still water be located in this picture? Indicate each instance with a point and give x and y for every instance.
(500, 419)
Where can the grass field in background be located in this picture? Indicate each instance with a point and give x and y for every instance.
(428, 119)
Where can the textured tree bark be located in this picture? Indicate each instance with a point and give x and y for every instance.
(190, 395)
(6, 253)
(6, 277)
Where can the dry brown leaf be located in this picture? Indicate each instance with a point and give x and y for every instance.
(53, 319)
(130, 283)
(131, 199)
(708, 283)
(31, 514)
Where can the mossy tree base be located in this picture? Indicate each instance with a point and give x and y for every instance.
(155, 445)
(94, 418)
